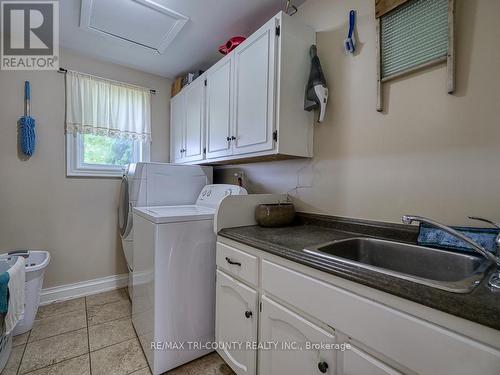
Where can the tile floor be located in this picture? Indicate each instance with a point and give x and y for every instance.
(91, 335)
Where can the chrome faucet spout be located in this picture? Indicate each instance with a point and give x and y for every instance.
(494, 281)
(496, 225)
(408, 219)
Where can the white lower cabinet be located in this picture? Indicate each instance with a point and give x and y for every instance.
(294, 337)
(355, 362)
(236, 322)
(383, 340)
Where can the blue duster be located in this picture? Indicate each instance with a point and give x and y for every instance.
(27, 124)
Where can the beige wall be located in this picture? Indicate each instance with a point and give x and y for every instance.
(74, 218)
(430, 153)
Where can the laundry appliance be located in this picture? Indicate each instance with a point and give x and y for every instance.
(174, 278)
(155, 184)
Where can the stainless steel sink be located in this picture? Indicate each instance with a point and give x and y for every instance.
(447, 270)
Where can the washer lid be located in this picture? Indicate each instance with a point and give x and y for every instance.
(172, 214)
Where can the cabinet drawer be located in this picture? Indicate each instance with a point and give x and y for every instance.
(416, 344)
(237, 263)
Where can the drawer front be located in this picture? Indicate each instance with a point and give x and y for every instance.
(416, 344)
(237, 263)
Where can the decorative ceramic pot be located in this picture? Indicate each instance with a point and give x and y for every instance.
(275, 214)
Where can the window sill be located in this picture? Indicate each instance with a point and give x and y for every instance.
(94, 174)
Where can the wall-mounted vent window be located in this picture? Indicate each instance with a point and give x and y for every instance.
(412, 35)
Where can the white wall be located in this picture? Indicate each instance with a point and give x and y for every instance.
(430, 153)
(74, 218)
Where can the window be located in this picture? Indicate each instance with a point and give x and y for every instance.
(102, 156)
(107, 125)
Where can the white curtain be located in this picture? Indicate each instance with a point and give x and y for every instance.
(103, 107)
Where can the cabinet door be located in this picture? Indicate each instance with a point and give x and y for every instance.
(255, 67)
(195, 120)
(355, 362)
(219, 107)
(282, 326)
(236, 321)
(177, 125)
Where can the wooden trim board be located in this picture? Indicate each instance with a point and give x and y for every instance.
(81, 289)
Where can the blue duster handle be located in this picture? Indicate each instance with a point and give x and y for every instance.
(27, 98)
(27, 90)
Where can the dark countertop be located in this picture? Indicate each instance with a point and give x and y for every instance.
(481, 305)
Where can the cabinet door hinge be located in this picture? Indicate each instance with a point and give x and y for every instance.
(260, 306)
(278, 30)
(205, 82)
(275, 136)
(204, 150)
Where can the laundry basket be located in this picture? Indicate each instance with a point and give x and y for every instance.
(5, 340)
(36, 263)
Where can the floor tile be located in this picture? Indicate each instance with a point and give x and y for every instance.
(144, 371)
(60, 308)
(211, 364)
(75, 366)
(119, 359)
(110, 333)
(20, 339)
(55, 349)
(14, 360)
(107, 297)
(55, 325)
(110, 311)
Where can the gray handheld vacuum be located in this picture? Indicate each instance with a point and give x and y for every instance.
(316, 90)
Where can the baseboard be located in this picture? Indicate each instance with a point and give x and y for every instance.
(81, 289)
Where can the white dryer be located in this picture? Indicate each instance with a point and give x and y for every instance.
(174, 278)
(155, 184)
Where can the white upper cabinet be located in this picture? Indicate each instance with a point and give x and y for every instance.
(177, 123)
(195, 121)
(219, 108)
(254, 99)
(254, 91)
(283, 327)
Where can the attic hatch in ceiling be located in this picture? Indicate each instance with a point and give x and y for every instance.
(141, 22)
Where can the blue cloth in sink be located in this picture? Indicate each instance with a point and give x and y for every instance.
(435, 237)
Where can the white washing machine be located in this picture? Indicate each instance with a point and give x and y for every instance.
(155, 184)
(174, 278)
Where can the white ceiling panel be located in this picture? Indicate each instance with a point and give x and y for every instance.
(118, 22)
(144, 23)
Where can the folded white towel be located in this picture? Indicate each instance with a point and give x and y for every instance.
(16, 295)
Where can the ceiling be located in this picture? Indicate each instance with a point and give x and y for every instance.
(189, 46)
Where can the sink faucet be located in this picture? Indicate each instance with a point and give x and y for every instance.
(494, 281)
(496, 225)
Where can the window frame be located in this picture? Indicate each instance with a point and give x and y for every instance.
(75, 167)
